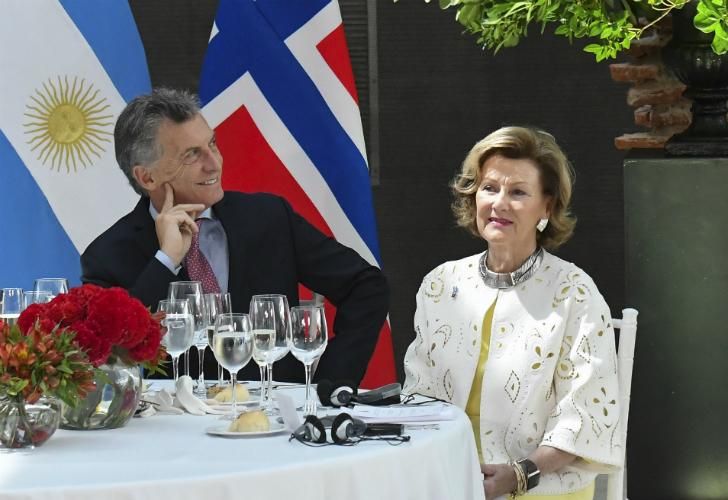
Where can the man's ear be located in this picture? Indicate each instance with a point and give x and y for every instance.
(146, 177)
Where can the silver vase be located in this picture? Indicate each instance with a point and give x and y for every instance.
(111, 404)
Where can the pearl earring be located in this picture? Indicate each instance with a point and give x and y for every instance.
(542, 225)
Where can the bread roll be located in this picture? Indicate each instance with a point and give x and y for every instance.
(214, 390)
(250, 421)
(226, 395)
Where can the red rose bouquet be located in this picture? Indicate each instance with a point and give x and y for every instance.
(109, 325)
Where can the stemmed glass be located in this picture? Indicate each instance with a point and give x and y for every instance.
(232, 344)
(54, 286)
(309, 338)
(263, 344)
(37, 298)
(270, 313)
(216, 304)
(192, 291)
(12, 305)
(180, 329)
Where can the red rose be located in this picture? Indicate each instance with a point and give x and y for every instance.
(65, 309)
(107, 312)
(29, 316)
(138, 326)
(104, 319)
(96, 346)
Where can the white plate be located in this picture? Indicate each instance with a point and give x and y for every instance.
(222, 431)
(252, 401)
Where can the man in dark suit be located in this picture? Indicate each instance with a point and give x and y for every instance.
(253, 243)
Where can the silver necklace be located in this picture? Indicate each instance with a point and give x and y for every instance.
(509, 280)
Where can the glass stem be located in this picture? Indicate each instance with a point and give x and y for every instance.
(187, 362)
(201, 378)
(264, 396)
(309, 407)
(233, 377)
(269, 389)
(175, 368)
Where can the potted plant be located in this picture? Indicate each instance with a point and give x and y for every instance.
(697, 53)
(611, 24)
(118, 334)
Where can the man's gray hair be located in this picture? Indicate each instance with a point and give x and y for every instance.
(135, 134)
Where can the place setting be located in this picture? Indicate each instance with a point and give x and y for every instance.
(266, 335)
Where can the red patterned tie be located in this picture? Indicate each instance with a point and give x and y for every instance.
(198, 268)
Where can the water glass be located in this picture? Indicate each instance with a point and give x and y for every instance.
(216, 304)
(270, 313)
(54, 286)
(37, 298)
(12, 305)
(309, 337)
(192, 291)
(232, 345)
(180, 329)
(263, 344)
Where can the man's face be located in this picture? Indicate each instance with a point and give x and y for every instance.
(190, 163)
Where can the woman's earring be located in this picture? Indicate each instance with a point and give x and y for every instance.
(542, 225)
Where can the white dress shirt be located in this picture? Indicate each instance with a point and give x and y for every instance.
(213, 245)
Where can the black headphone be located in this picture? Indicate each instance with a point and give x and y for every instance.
(339, 393)
(346, 393)
(345, 431)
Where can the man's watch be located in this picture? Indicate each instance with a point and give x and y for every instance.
(533, 475)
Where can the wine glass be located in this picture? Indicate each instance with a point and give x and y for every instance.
(12, 305)
(270, 313)
(309, 337)
(232, 344)
(192, 291)
(263, 344)
(216, 304)
(36, 298)
(180, 333)
(54, 286)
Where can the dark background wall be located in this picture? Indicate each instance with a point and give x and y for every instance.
(438, 93)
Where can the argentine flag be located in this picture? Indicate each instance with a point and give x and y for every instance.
(68, 69)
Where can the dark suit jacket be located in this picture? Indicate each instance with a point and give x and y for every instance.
(271, 249)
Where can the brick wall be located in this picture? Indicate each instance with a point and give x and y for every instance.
(655, 93)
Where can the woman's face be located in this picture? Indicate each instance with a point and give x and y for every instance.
(509, 203)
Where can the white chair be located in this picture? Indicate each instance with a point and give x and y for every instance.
(627, 326)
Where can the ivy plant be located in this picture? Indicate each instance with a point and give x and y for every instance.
(712, 17)
(611, 24)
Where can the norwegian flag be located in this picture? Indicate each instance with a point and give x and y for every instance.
(278, 88)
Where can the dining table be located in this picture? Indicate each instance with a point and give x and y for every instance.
(173, 456)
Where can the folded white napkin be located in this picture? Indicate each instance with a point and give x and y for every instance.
(160, 401)
(184, 400)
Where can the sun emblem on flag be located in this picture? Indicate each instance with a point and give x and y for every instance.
(68, 123)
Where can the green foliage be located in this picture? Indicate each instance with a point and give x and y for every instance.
(612, 25)
(712, 17)
(40, 363)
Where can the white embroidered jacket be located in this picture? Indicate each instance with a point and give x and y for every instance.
(551, 374)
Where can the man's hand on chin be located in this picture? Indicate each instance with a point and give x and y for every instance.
(175, 226)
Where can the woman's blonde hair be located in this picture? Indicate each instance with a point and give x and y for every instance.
(527, 143)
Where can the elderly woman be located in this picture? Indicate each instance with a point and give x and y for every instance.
(517, 337)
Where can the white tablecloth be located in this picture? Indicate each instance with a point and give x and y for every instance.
(167, 456)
